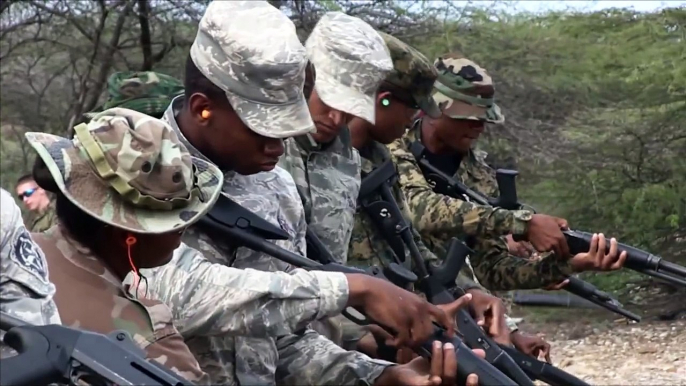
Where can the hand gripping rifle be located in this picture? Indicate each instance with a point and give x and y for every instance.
(228, 219)
(390, 222)
(59, 354)
(578, 242)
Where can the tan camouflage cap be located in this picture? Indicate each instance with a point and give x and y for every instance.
(131, 171)
(413, 75)
(351, 61)
(465, 91)
(250, 50)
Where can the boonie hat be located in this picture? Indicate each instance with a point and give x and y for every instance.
(131, 171)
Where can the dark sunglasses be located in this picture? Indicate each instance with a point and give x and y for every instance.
(27, 193)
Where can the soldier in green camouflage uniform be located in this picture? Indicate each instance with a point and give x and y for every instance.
(465, 93)
(39, 203)
(402, 94)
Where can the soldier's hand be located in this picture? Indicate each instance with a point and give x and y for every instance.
(545, 234)
(557, 286)
(489, 312)
(532, 345)
(519, 248)
(596, 259)
(441, 370)
(405, 313)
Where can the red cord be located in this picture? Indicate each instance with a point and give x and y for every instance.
(130, 241)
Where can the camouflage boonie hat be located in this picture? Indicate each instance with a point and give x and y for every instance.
(351, 61)
(413, 74)
(131, 171)
(465, 91)
(250, 50)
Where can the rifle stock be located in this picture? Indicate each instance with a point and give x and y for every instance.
(58, 354)
(218, 222)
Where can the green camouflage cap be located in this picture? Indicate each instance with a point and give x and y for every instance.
(465, 91)
(413, 74)
(147, 92)
(131, 171)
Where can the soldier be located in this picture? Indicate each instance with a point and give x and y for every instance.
(405, 91)
(465, 93)
(40, 205)
(147, 92)
(243, 95)
(125, 190)
(353, 61)
(25, 289)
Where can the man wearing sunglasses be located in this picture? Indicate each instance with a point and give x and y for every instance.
(41, 214)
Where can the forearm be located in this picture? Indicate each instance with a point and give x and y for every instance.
(498, 270)
(311, 359)
(212, 299)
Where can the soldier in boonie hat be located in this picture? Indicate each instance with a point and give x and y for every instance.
(148, 92)
(130, 171)
(464, 90)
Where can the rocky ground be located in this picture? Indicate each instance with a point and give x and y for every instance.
(603, 350)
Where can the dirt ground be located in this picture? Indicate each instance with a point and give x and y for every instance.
(602, 349)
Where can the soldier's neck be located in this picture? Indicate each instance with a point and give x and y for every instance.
(429, 137)
(359, 133)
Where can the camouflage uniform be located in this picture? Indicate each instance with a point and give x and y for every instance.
(352, 60)
(413, 74)
(43, 220)
(129, 171)
(239, 43)
(438, 217)
(147, 92)
(25, 289)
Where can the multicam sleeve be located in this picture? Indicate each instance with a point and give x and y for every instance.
(434, 213)
(311, 359)
(498, 270)
(171, 352)
(212, 299)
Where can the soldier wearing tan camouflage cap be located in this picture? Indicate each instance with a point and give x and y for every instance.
(243, 95)
(466, 95)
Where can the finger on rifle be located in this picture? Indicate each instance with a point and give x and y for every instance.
(546, 352)
(441, 317)
(562, 223)
(593, 248)
(602, 247)
(611, 256)
(452, 308)
(404, 355)
(558, 286)
(436, 362)
(495, 329)
(422, 328)
(472, 380)
(403, 331)
(620, 262)
(449, 364)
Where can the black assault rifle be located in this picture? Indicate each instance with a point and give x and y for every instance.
(229, 220)
(59, 354)
(377, 200)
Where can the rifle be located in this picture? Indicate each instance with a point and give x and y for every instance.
(59, 354)
(389, 221)
(637, 260)
(228, 219)
(534, 368)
